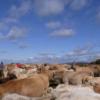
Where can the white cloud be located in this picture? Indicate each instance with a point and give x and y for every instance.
(81, 51)
(63, 32)
(76, 55)
(23, 45)
(14, 33)
(54, 7)
(16, 12)
(53, 24)
(46, 59)
(98, 56)
(48, 7)
(8, 27)
(98, 14)
(79, 4)
(1, 25)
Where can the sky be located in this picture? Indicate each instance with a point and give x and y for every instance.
(49, 31)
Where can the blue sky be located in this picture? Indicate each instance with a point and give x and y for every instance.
(53, 31)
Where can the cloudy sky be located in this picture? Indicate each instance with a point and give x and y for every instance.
(49, 30)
